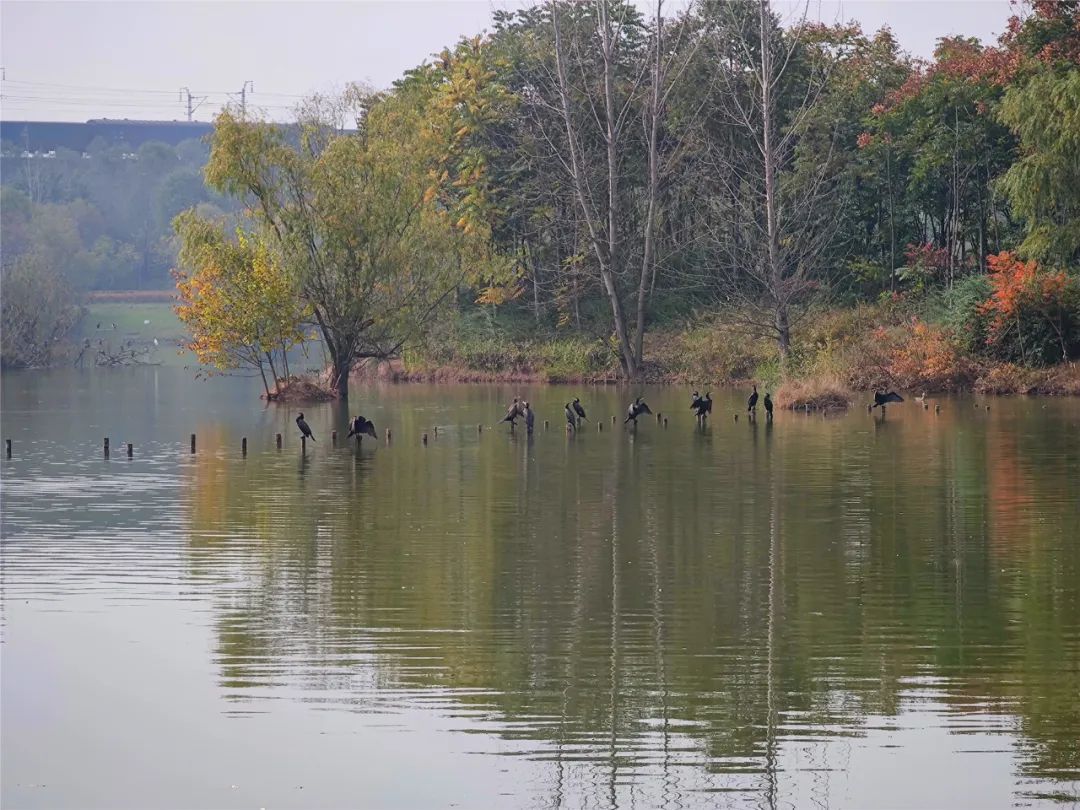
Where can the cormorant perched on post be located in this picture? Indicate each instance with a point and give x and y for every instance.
(580, 411)
(884, 399)
(751, 403)
(530, 417)
(768, 406)
(362, 427)
(571, 417)
(636, 409)
(304, 429)
(702, 406)
(513, 412)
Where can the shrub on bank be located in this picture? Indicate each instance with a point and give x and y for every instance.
(914, 356)
(1033, 315)
(713, 350)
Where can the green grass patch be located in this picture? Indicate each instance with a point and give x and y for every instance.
(131, 322)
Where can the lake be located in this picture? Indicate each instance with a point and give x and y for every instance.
(841, 611)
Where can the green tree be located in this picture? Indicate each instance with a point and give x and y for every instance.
(378, 226)
(1043, 185)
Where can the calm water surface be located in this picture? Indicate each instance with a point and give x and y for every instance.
(840, 612)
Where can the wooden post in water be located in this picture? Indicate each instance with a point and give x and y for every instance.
(279, 441)
(7, 443)
(333, 438)
(479, 429)
(193, 443)
(436, 431)
(736, 417)
(545, 424)
(106, 447)
(303, 445)
(599, 427)
(665, 422)
(613, 420)
(243, 446)
(424, 439)
(389, 435)
(131, 450)
(658, 417)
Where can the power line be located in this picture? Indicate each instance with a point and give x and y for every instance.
(25, 97)
(97, 88)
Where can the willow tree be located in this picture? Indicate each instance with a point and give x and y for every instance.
(376, 204)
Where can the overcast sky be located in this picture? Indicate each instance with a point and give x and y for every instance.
(70, 61)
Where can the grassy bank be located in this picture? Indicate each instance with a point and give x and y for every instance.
(121, 325)
(894, 344)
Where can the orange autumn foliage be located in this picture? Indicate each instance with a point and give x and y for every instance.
(928, 357)
(914, 355)
(1019, 288)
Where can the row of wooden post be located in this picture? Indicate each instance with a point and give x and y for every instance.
(333, 438)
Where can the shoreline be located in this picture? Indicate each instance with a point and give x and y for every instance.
(999, 379)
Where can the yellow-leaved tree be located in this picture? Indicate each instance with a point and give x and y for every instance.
(241, 308)
(376, 205)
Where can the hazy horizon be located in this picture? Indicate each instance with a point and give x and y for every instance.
(72, 61)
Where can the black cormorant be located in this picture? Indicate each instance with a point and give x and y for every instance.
(527, 412)
(751, 403)
(884, 399)
(571, 417)
(513, 412)
(702, 406)
(636, 409)
(362, 427)
(304, 429)
(768, 406)
(580, 411)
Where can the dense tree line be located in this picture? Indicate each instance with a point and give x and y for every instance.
(598, 170)
(717, 157)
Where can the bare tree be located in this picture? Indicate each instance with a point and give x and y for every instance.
(601, 209)
(619, 210)
(772, 222)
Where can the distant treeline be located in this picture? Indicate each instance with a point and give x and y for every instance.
(102, 218)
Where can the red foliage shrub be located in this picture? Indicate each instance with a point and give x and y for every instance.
(1030, 311)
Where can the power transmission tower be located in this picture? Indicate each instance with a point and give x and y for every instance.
(243, 95)
(193, 102)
